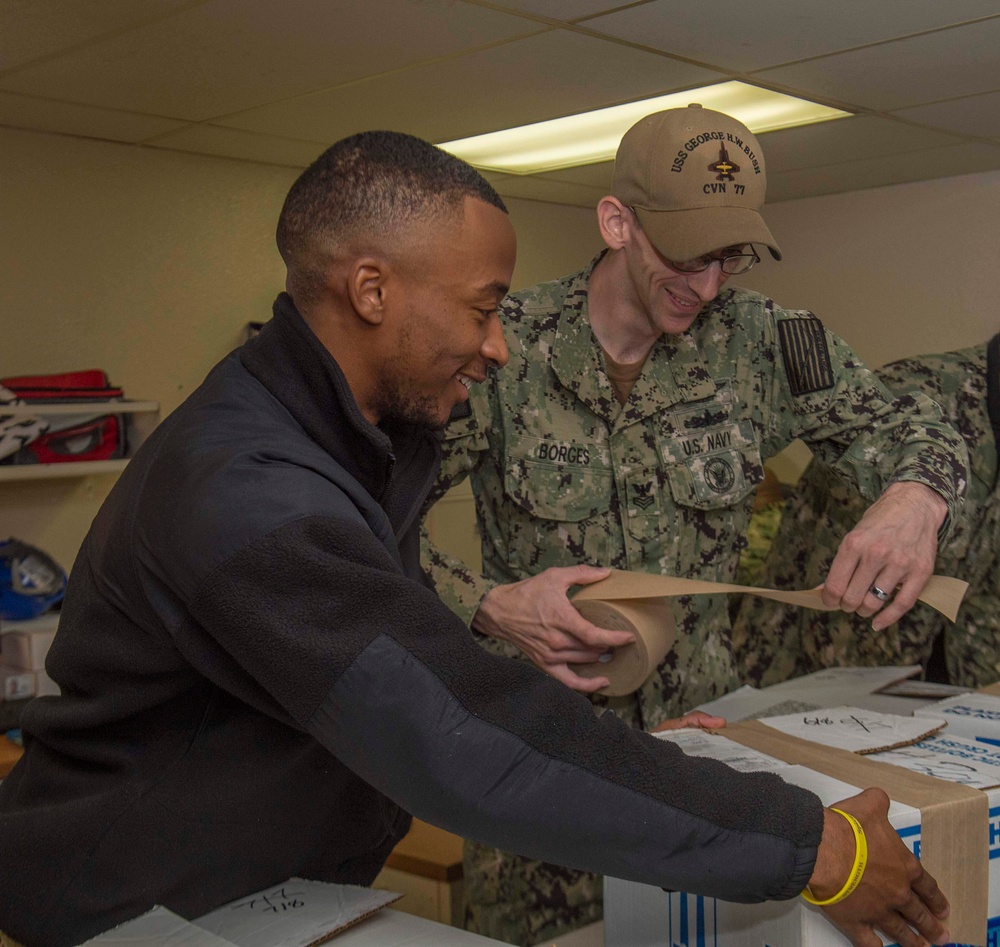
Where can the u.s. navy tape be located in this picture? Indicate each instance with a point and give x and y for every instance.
(637, 602)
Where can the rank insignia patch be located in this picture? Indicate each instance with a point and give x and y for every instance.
(642, 495)
(806, 356)
(724, 168)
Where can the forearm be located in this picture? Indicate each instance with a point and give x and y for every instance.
(377, 669)
(907, 441)
(559, 784)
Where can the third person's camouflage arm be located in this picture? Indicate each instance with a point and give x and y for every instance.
(827, 397)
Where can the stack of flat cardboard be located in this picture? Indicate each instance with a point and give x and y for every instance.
(297, 913)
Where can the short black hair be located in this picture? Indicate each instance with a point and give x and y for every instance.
(368, 184)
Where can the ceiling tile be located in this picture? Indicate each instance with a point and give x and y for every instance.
(229, 55)
(543, 76)
(733, 34)
(247, 146)
(35, 28)
(274, 82)
(941, 65)
(845, 139)
(44, 115)
(877, 172)
(977, 115)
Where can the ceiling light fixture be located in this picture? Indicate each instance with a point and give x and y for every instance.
(591, 137)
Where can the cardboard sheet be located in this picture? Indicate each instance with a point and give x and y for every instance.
(827, 688)
(298, 913)
(854, 729)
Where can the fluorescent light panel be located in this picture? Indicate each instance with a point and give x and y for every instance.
(594, 136)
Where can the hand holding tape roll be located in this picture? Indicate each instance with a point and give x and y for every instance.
(637, 602)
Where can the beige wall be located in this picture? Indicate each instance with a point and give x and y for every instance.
(148, 264)
(144, 263)
(896, 271)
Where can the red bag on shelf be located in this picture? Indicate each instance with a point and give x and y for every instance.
(90, 384)
(99, 439)
(75, 435)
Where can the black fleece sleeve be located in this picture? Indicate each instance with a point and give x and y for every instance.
(391, 682)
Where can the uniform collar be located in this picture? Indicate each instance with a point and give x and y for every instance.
(674, 372)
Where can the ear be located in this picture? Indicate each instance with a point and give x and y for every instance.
(366, 289)
(616, 222)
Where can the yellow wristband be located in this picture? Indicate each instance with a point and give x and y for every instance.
(857, 869)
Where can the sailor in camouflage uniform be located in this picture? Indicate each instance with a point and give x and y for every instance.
(775, 642)
(629, 431)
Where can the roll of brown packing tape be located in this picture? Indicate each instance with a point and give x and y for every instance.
(652, 623)
(637, 602)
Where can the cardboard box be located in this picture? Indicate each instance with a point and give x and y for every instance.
(953, 829)
(26, 649)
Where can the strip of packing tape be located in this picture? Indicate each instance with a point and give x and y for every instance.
(637, 602)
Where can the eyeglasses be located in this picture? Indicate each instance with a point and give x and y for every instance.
(732, 260)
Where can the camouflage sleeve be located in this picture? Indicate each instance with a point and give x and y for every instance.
(464, 446)
(823, 394)
(972, 644)
(775, 642)
(958, 381)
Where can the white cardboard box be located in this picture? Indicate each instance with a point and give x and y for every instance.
(638, 915)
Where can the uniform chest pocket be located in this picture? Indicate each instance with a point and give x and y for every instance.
(717, 468)
(557, 481)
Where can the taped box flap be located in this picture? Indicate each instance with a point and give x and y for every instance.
(954, 838)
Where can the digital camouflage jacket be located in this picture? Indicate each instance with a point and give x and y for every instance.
(562, 474)
(775, 642)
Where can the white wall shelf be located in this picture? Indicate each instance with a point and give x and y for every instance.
(140, 419)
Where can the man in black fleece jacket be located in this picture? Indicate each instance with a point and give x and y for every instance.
(256, 680)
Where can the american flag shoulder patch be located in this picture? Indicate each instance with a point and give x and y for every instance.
(806, 355)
